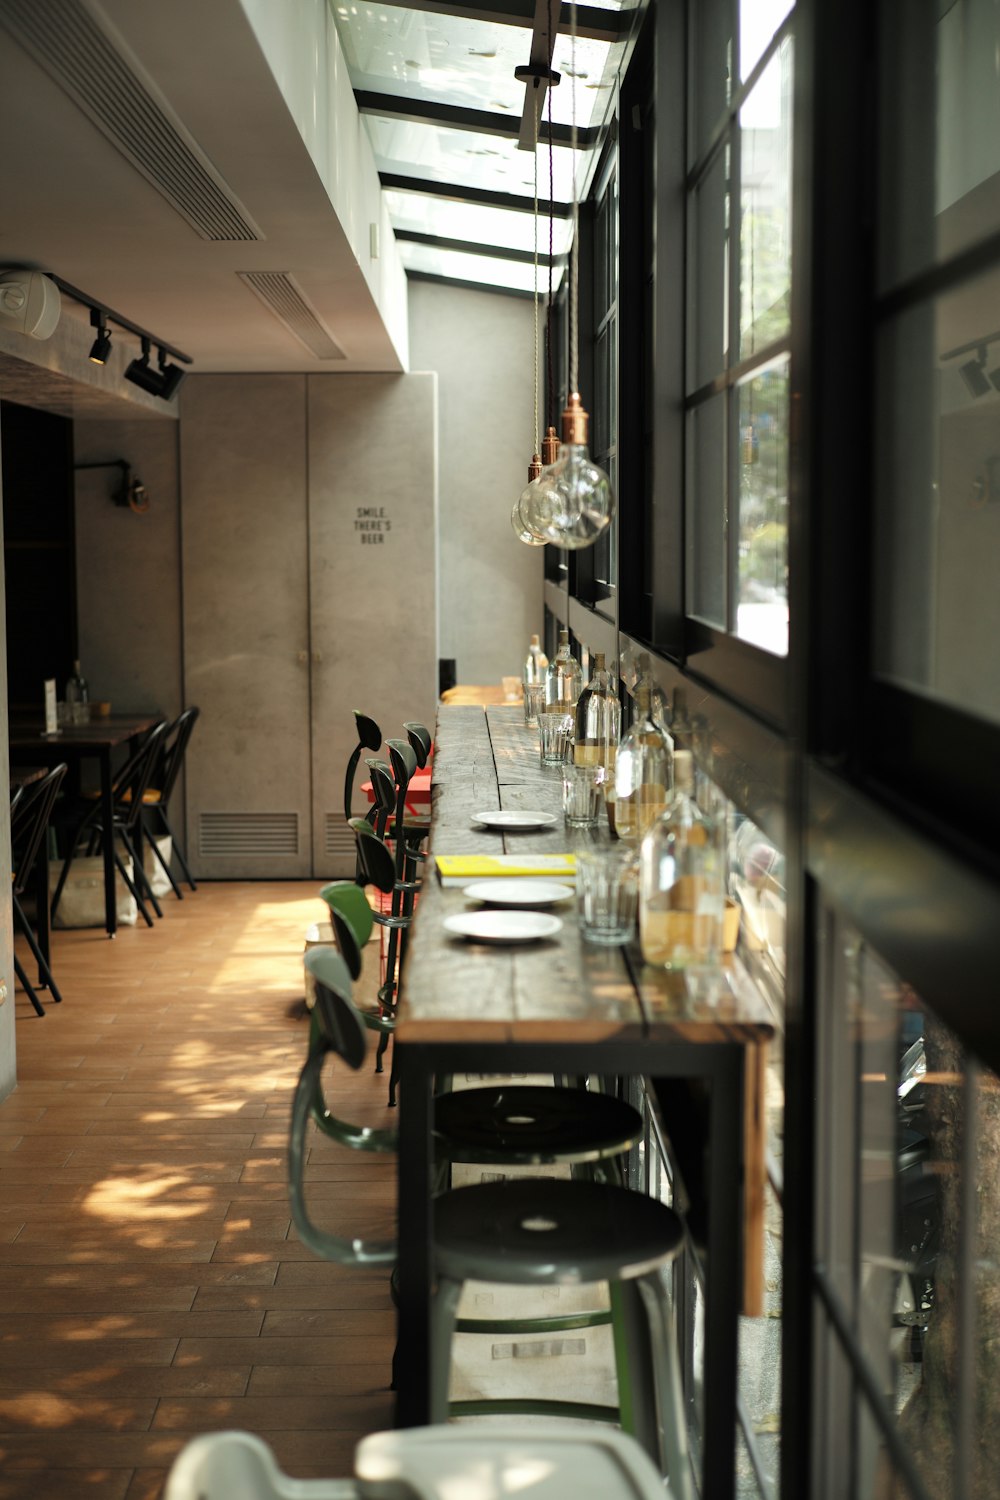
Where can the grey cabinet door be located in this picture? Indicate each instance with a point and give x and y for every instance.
(246, 625)
(373, 578)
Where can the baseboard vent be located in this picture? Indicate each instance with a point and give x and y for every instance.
(280, 293)
(226, 835)
(97, 71)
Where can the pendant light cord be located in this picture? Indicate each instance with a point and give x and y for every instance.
(534, 366)
(574, 294)
(551, 408)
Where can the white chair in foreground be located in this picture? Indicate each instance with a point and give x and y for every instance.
(542, 1460)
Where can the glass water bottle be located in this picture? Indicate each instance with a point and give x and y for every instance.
(77, 697)
(536, 663)
(643, 772)
(564, 678)
(682, 882)
(598, 720)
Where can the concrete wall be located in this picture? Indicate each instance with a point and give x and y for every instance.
(490, 597)
(255, 588)
(8, 1052)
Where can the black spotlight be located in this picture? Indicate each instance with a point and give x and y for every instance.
(101, 347)
(170, 376)
(973, 374)
(140, 373)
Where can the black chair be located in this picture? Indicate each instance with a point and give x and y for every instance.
(419, 737)
(30, 813)
(369, 738)
(127, 793)
(156, 798)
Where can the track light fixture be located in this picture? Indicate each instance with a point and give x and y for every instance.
(162, 381)
(101, 347)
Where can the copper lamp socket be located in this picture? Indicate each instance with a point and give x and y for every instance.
(534, 468)
(575, 422)
(550, 448)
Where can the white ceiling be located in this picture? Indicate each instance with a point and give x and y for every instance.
(72, 204)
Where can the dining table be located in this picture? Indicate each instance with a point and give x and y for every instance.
(76, 744)
(569, 1007)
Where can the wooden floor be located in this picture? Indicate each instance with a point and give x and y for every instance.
(151, 1284)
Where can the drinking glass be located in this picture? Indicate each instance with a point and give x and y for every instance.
(534, 701)
(554, 733)
(581, 794)
(607, 894)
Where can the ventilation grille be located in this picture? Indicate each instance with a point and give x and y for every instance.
(339, 837)
(67, 42)
(248, 835)
(278, 291)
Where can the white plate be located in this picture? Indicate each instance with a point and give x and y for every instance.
(511, 891)
(514, 820)
(503, 926)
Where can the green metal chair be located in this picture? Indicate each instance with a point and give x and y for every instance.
(523, 1233)
(353, 921)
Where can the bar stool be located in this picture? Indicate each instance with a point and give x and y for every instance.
(527, 1233)
(548, 1462)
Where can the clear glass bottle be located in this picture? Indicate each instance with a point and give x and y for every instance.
(536, 663)
(564, 678)
(643, 772)
(598, 720)
(682, 886)
(77, 697)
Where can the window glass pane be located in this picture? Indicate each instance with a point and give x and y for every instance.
(708, 260)
(918, 1124)
(759, 20)
(451, 60)
(711, 26)
(765, 205)
(762, 599)
(940, 132)
(486, 270)
(937, 493)
(465, 158)
(706, 521)
(475, 223)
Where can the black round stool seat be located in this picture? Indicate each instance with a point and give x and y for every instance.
(544, 1231)
(527, 1124)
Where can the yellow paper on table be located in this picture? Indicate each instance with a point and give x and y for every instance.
(459, 869)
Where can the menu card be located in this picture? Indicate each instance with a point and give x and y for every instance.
(51, 717)
(459, 869)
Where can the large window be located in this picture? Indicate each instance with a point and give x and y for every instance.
(908, 1208)
(738, 343)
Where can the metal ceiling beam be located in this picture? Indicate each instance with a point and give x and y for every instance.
(471, 247)
(488, 197)
(591, 21)
(454, 117)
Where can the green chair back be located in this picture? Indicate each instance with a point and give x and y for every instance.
(349, 900)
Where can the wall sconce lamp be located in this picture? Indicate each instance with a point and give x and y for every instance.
(130, 491)
(973, 374)
(101, 347)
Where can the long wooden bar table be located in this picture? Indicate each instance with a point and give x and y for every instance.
(565, 1006)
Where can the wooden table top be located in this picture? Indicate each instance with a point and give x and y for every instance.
(487, 758)
(98, 734)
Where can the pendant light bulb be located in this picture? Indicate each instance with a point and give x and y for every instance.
(522, 508)
(574, 501)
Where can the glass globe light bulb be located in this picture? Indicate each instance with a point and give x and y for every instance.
(521, 530)
(521, 516)
(574, 502)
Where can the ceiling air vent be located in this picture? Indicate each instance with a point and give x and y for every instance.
(101, 77)
(278, 291)
(225, 835)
